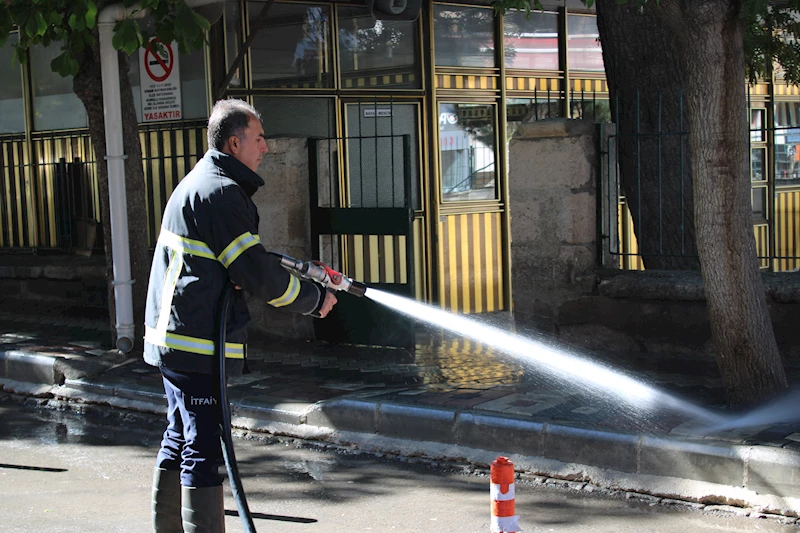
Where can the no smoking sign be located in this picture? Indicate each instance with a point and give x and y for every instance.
(158, 60)
(159, 78)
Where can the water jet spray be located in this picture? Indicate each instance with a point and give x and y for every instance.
(556, 361)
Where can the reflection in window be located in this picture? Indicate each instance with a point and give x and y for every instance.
(591, 109)
(757, 158)
(759, 203)
(12, 108)
(787, 142)
(467, 151)
(583, 43)
(233, 39)
(463, 36)
(519, 110)
(383, 48)
(757, 121)
(292, 49)
(55, 106)
(531, 44)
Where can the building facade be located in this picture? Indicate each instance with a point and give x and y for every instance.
(402, 114)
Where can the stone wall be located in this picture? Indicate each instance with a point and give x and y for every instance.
(285, 227)
(552, 167)
(557, 285)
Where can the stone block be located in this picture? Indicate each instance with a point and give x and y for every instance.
(29, 367)
(589, 447)
(693, 460)
(774, 471)
(505, 435)
(416, 423)
(344, 415)
(266, 410)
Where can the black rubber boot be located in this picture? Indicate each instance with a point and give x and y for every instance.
(203, 510)
(167, 501)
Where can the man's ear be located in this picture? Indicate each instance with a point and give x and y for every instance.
(233, 144)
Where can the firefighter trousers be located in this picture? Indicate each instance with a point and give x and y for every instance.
(191, 442)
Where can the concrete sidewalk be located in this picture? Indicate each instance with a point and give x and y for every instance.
(450, 400)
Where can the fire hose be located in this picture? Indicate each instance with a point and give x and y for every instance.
(312, 270)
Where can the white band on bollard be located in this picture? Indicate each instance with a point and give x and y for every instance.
(496, 494)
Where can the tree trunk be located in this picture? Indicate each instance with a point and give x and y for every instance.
(709, 35)
(87, 85)
(645, 83)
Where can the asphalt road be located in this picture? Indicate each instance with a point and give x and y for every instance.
(68, 473)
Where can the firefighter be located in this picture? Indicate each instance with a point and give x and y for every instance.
(209, 238)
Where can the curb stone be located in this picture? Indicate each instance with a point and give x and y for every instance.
(702, 473)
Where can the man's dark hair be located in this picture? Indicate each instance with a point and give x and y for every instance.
(228, 118)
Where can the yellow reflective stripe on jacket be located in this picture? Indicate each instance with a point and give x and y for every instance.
(292, 291)
(168, 291)
(237, 247)
(187, 246)
(191, 344)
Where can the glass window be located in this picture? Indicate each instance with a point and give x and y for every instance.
(583, 43)
(55, 105)
(757, 169)
(384, 49)
(375, 153)
(787, 142)
(759, 203)
(463, 36)
(233, 39)
(192, 69)
(519, 110)
(757, 121)
(12, 108)
(467, 151)
(296, 117)
(293, 48)
(531, 44)
(594, 110)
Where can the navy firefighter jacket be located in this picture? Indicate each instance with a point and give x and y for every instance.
(209, 238)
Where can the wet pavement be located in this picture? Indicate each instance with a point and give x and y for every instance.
(65, 473)
(447, 390)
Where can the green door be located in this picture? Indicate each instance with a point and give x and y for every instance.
(362, 210)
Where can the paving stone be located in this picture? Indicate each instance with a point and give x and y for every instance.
(465, 396)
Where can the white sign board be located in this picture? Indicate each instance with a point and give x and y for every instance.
(160, 81)
(379, 112)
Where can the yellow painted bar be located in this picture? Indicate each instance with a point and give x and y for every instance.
(466, 268)
(374, 259)
(388, 261)
(419, 262)
(476, 263)
(490, 273)
(453, 274)
(358, 246)
(498, 243)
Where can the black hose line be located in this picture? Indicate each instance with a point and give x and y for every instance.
(225, 414)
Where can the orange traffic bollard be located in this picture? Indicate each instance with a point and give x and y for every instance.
(502, 492)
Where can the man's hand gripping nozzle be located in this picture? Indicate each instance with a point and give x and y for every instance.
(324, 275)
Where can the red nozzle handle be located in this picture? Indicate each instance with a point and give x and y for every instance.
(336, 277)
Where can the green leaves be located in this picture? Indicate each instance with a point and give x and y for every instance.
(502, 6)
(189, 28)
(73, 24)
(65, 64)
(91, 14)
(35, 25)
(127, 36)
